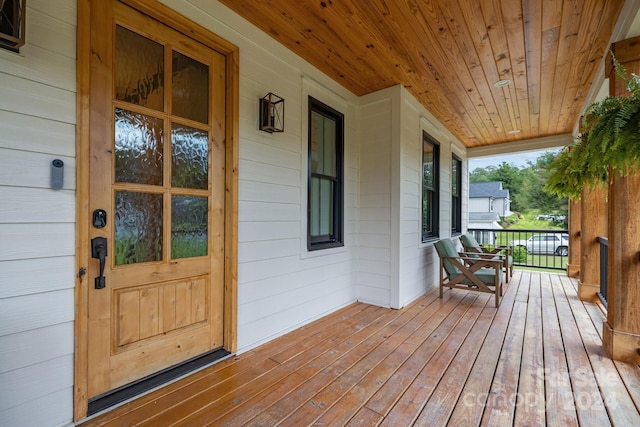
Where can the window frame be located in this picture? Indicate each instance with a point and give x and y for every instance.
(336, 237)
(430, 231)
(456, 199)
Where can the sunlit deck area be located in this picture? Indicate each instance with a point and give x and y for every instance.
(537, 360)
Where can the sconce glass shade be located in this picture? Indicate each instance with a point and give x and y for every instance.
(272, 113)
(12, 24)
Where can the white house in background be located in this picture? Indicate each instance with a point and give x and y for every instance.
(484, 220)
(489, 197)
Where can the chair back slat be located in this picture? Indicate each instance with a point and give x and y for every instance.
(446, 248)
(468, 241)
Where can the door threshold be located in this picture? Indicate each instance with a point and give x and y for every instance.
(137, 388)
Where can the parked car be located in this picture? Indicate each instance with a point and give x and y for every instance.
(557, 244)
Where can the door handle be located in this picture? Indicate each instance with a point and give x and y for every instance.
(99, 251)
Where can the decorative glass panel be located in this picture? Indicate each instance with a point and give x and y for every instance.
(189, 225)
(321, 207)
(138, 145)
(190, 157)
(323, 145)
(190, 88)
(139, 70)
(138, 227)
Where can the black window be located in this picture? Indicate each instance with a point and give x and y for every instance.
(456, 194)
(325, 215)
(430, 187)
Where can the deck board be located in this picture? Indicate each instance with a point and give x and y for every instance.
(536, 360)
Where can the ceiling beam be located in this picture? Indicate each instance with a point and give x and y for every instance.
(535, 144)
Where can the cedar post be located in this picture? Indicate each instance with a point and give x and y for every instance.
(593, 223)
(621, 331)
(573, 265)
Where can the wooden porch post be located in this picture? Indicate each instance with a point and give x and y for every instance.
(573, 265)
(593, 223)
(621, 331)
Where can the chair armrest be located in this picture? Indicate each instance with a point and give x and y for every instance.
(496, 249)
(482, 255)
(476, 260)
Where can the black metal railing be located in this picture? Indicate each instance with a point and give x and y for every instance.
(604, 259)
(547, 249)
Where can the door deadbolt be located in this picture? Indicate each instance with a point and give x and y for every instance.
(99, 219)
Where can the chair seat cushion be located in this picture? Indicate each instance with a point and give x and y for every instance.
(486, 275)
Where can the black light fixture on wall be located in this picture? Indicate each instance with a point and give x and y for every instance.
(272, 113)
(12, 24)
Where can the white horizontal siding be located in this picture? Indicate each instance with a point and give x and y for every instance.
(30, 169)
(268, 212)
(28, 312)
(37, 230)
(32, 98)
(30, 241)
(35, 381)
(45, 275)
(49, 33)
(46, 411)
(20, 350)
(20, 205)
(375, 234)
(35, 134)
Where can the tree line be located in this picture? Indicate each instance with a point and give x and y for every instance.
(525, 184)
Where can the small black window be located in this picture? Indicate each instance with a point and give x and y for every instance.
(430, 187)
(325, 217)
(456, 193)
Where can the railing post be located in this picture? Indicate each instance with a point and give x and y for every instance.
(593, 224)
(575, 211)
(604, 270)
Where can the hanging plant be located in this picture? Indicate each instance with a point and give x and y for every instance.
(610, 142)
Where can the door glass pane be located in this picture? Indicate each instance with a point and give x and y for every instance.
(139, 70)
(323, 145)
(190, 157)
(138, 146)
(138, 227)
(190, 88)
(321, 207)
(189, 225)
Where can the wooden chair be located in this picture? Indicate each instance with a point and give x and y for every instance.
(471, 245)
(459, 271)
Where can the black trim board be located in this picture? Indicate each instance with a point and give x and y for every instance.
(128, 391)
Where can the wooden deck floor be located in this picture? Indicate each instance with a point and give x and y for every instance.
(535, 361)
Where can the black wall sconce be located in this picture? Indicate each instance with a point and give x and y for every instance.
(12, 23)
(272, 113)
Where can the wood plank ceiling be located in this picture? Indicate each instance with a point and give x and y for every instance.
(450, 53)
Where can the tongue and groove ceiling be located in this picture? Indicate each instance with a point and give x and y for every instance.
(450, 53)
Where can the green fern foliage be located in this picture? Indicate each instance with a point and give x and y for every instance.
(610, 142)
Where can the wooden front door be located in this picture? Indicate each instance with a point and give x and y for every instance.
(156, 198)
